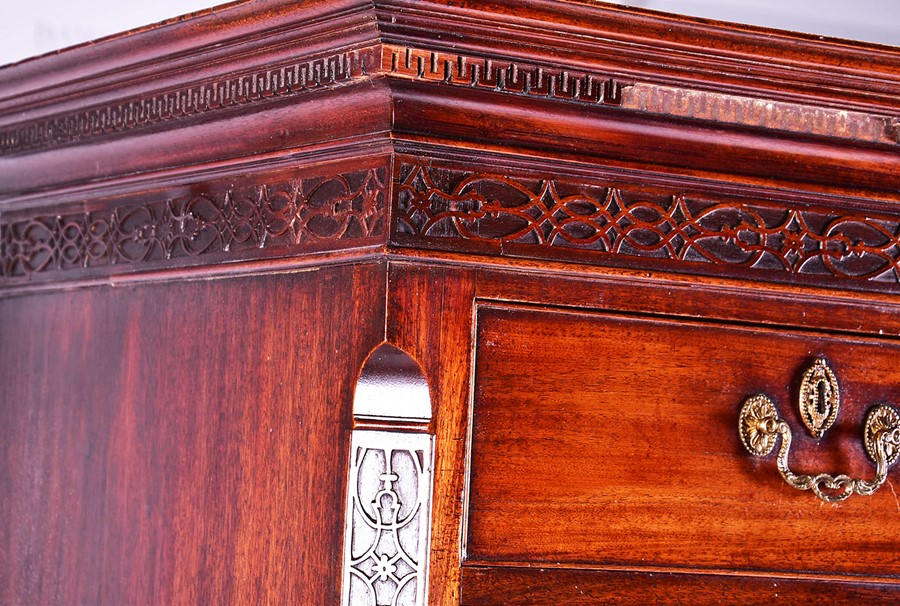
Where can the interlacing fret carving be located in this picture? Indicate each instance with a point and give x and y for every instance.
(436, 204)
(290, 215)
(501, 75)
(290, 79)
(387, 519)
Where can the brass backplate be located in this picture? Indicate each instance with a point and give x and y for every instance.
(756, 412)
(881, 419)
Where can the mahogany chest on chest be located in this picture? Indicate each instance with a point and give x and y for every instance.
(450, 302)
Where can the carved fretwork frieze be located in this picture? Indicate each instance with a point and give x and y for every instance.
(285, 216)
(447, 207)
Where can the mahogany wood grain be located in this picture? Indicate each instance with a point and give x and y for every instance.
(659, 46)
(181, 443)
(430, 316)
(612, 440)
(174, 423)
(248, 134)
(562, 587)
(690, 297)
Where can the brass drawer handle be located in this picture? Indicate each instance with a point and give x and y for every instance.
(759, 426)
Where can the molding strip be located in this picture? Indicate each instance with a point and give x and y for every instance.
(761, 113)
(200, 98)
(562, 83)
(451, 208)
(501, 75)
(552, 81)
(286, 216)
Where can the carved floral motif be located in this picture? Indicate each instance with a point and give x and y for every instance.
(437, 204)
(289, 215)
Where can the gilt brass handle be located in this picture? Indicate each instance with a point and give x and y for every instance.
(760, 426)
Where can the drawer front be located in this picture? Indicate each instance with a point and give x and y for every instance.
(612, 441)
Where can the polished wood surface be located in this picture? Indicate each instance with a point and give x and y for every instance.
(421, 299)
(595, 229)
(181, 443)
(612, 440)
(573, 587)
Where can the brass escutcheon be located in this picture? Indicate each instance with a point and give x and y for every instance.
(820, 398)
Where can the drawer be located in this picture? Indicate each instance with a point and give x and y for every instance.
(610, 441)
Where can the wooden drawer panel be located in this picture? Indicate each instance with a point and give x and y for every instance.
(611, 440)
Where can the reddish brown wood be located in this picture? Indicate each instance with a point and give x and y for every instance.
(174, 421)
(561, 587)
(631, 140)
(273, 214)
(662, 47)
(184, 443)
(430, 315)
(458, 207)
(691, 297)
(605, 439)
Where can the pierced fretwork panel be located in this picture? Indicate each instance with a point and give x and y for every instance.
(388, 519)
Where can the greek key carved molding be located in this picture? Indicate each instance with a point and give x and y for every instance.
(294, 78)
(291, 216)
(440, 205)
(228, 91)
(498, 74)
(501, 75)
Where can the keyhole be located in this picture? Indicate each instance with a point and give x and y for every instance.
(821, 401)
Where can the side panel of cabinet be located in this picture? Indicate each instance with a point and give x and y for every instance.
(181, 443)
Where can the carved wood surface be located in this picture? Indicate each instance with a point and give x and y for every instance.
(552, 81)
(404, 86)
(225, 223)
(388, 519)
(585, 165)
(740, 75)
(526, 216)
(162, 106)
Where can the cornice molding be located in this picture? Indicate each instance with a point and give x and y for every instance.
(499, 74)
(600, 88)
(548, 81)
(199, 98)
(643, 45)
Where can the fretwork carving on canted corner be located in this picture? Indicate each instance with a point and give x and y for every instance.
(387, 519)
